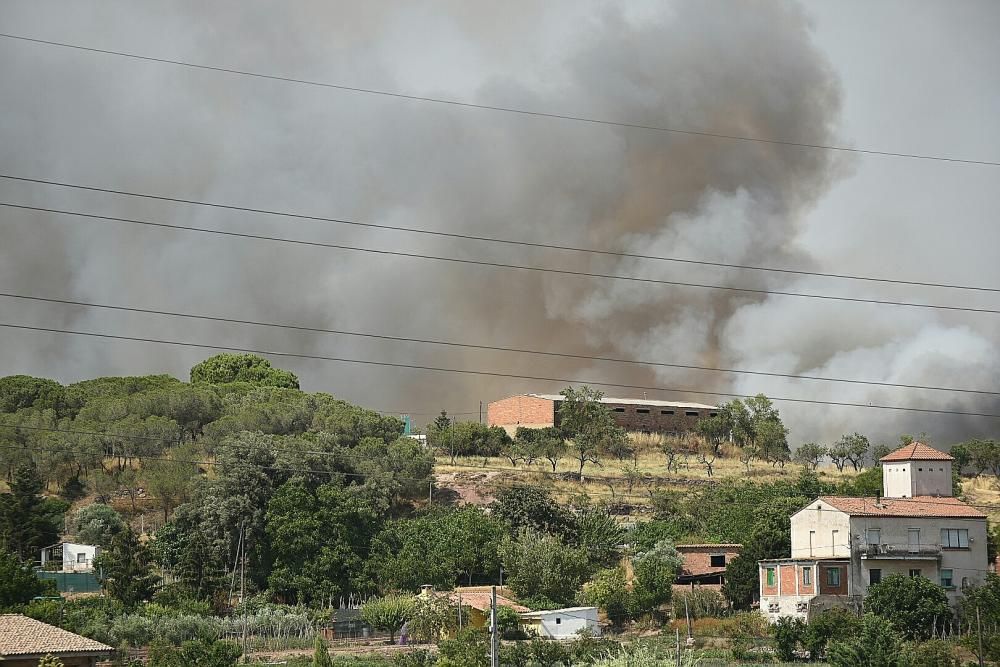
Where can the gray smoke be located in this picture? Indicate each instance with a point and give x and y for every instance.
(738, 68)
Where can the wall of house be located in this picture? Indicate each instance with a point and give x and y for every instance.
(527, 411)
(905, 479)
(821, 520)
(33, 662)
(969, 563)
(564, 624)
(698, 559)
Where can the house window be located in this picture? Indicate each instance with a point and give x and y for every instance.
(81, 558)
(691, 413)
(642, 411)
(666, 412)
(619, 409)
(770, 576)
(873, 536)
(955, 538)
(717, 560)
(915, 572)
(713, 414)
(807, 576)
(965, 582)
(812, 539)
(833, 577)
(913, 540)
(874, 576)
(946, 579)
(834, 536)
(558, 621)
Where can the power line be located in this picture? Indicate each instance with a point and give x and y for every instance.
(493, 239)
(474, 262)
(464, 371)
(492, 348)
(503, 109)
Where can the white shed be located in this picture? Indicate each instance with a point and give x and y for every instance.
(562, 623)
(73, 557)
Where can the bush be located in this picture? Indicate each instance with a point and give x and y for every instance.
(933, 653)
(912, 604)
(203, 654)
(699, 603)
(832, 624)
(877, 645)
(787, 634)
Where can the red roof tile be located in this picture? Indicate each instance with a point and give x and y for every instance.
(918, 506)
(481, 600)
(917, 451)
(20, 635)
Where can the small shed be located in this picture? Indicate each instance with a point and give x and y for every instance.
(25, 641)
(565, 623)
(70, 556)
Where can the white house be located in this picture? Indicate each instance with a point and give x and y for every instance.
(73, 557)
(562, 623)
(842, 545)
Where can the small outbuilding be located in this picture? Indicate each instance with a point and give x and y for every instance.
(25, 641)
(565, 623)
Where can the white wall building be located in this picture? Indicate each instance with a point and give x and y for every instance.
(842, 545)
(562, 623)
(74, 557)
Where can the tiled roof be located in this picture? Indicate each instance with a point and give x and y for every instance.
(20, 635)
(918, 506)
(917, 451)
(481, 600)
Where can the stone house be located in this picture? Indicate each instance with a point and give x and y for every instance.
(25, 641)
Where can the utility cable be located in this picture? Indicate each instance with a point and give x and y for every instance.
(493, 239)
(464, 371)
(503, 109)
(473, 262)
(491, 348)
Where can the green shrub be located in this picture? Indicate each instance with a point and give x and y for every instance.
(787, 635)
(699, 603)
(932, 653)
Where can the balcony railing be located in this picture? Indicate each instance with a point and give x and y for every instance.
(901, 551)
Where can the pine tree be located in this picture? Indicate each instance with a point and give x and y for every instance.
(125, 569)
(25, 525)
(321, 657)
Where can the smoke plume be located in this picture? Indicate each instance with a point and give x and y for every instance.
(737, 68)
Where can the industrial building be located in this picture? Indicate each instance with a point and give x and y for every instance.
(632, 414)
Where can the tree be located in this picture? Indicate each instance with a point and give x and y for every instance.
(609, 590)
(431, 618)
(840, 453)
(98, 524)
(539, 565)
(125, 570)
(877, 645)
(810, 454)
(655, 572)
(715, 430)
(912, 604)
(706, 456)
(589, 426)
(880, 450)
(23, 391)
(18, 583)
(833, 624)
(321, 656)
(855, 448)
(388, 613)
(770, 539)
(441, 422)
(318, 540)
(27, 521)
(169, 478)
(227, 367)
(50, 661)
(532, 507)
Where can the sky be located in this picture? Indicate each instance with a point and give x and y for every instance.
(904, 77)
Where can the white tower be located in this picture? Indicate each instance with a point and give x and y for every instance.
(916, 470)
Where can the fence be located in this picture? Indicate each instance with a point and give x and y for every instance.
(72, 582)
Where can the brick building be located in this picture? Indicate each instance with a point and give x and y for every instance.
(705, 564)
(541, 410)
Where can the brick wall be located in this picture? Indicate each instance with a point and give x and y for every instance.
(521, 411)
(789, 574)
(697, 559)
(825, 588)
(804, 588)
(532, 411)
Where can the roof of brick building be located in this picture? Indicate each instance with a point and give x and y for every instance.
(481, 599)
(20, 635)
(633, 401)
(917, 451)
(918, 506)
(680, 547)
